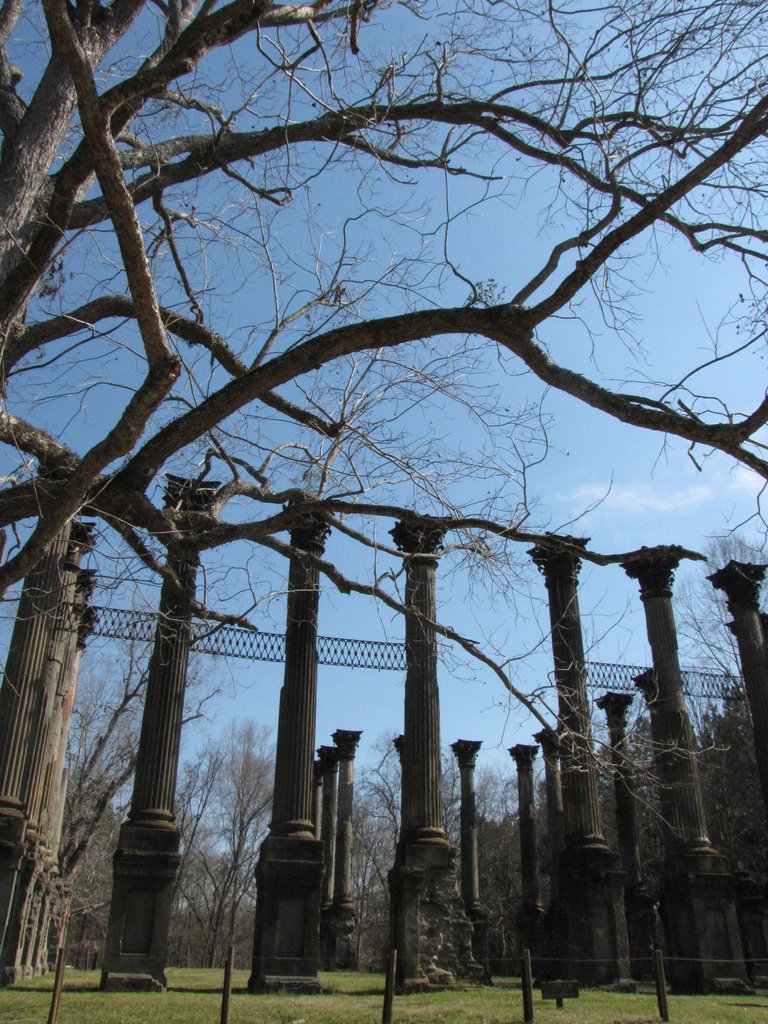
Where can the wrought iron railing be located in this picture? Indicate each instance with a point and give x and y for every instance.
(381, 655)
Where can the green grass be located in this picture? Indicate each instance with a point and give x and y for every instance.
(193, 997)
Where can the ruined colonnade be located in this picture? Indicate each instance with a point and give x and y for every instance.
(599, 926)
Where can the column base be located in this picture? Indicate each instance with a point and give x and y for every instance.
(337, 923)
(641, 929)
(590, 914)
(752, 912)
(429, 926)
(16, 870)
(286, 948)
(144, 872)
(698, 905)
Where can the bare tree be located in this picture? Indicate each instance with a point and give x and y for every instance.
(226, 797)
(233, 243)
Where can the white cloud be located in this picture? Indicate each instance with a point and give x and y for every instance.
(641, 498)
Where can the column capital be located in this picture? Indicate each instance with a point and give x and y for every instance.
(417, 536)
(555, 564)
(647, 685)
(86, 614)
(81, 541)
(317, 771)
(549, 741)
(346, 741)
(328, 759)
(399, 744)
(524, 755)
(309, 530)
(466, 752)
(185, 494)
(616, 706)
(655, 573)
(740, 582)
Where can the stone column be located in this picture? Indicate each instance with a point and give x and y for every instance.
(343, 917)
(290, 870)
(531, 909)
(638, 905)
(594, 930)
(28, 670)
(698, 894)
(741, 583)
(466, 755)
(147, 857)
(317, 799)
(550, 748)
(329, 762)
(430, 929)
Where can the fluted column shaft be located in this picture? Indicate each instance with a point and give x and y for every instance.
(24, 671)
(422, 810)
(317, 798)
(616, 706)
(550, 747)
(329, 764)
(741, 583)
(61, 642)
(80, 625)
(292, 805)
(154, 787)
(346, 743)
(466, 755)
(581, 810)
(524, 756)
(680, 792)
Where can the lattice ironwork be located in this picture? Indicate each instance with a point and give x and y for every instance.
(253, 645)
(707, 685)
(381, 655)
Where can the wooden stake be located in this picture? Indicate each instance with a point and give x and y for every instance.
(227, 990)
(389, 988)
(57, 984)
(527, 986)
(661, 984)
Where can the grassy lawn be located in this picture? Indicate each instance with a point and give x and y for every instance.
(193, 997)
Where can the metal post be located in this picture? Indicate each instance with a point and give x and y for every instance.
(527, 986)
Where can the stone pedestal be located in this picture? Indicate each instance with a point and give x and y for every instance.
(429, 926)
(531, 909)
(147, 857)
(589, 913)
(286, 947)
(752, 913)
(698, 892)
(638, 904)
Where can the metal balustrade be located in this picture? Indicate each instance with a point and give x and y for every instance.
(380, 655)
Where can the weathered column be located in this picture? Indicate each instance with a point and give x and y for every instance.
(430, 929)
(550, 748)
(741, 583)
(343, 918)
(594, 930)
(531, 909)
(329, 762)
(317, 799)
(698, 894)
(290, 870)
(147, 857)
(466, 755)
(79, 624)
(638, 904)
(28, 670)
